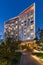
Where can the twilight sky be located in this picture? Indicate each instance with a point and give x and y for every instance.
(11, 8)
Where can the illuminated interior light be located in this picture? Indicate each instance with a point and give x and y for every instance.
(22, 21)
(32, 26)
(28, 30)
(16, 22)
(16, 26)
(22, 24)
(16, 34)
(9, 30)
(32, 33)
(28, 38)
(31, 16)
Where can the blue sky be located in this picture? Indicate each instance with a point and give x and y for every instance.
(11, 8)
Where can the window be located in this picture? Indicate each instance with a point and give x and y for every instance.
(28, 34)
(16, 34)
(32, 33)
(31, 18)
(28, 19)
(24, 23)
(32, 26)
(31, 12)
(28, 30)
(19, 22)
(32, 22)
(28, 14)
(12, 33)
(28, 38)
(32, 37)
(16, 26)
(16, 22)
(27, 23)
(31, 30)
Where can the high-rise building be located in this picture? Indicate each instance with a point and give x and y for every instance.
(23, 26)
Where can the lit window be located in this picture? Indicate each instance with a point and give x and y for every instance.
(28, 30)
(32, 26)
(24, 33)
(16, 26)
(31, 16)
(9, 30)
(9, 27)
(22, 21)
(19, 27)
(16, 34)
(16, 22)
(22, 24)
(28, 38)
(32, 12)
(32, 33)
(12, 24)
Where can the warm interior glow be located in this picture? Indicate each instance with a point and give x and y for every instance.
(16, 26)
(27, 11)
(16, 34)
(9, 30)
(28, 30)
(31, 16)
(19, 27)
(22, 21)
(32, 26)
(16, 22)
(28, 38)
(32, 33)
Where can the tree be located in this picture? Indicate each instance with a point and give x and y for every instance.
(39, 38)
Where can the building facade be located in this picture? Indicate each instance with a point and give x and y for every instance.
(23, 26)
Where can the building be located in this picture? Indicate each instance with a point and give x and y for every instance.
(23, 26)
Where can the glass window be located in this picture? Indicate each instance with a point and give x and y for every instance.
(31, 12)
(28, 34)
(24, 23)
(31, 29)
(32, 22)
(28, 14)
(19, 22)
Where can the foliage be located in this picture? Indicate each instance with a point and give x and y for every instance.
(39, 39)
(7, 50)
(40, 55)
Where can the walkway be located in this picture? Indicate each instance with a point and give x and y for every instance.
(27, 59)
